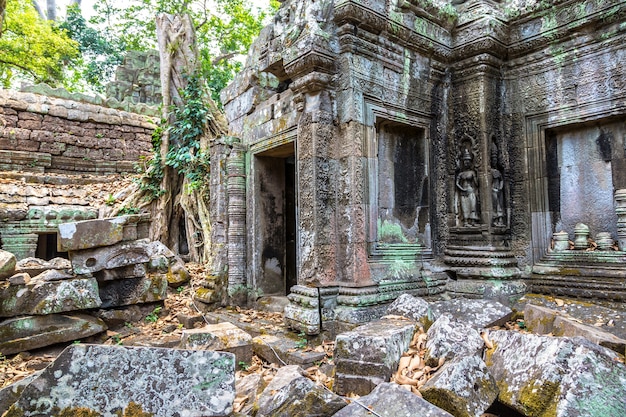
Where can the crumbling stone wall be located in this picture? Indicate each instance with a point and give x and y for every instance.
(48, 134)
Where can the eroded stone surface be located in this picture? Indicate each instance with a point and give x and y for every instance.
(414, 308)
(106, 379)
(557, 376)
(49, 297)
(474, 312)
(291, 394)
(7, 264)
(35, 266)
(10, 394)
(115, 256)
(129, 291)
(222, 336)
(390, 400)
(449, 338)
(368, 355)
(463, 387)
(89, 234)
(32, 332)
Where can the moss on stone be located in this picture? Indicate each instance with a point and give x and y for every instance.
(77, 412)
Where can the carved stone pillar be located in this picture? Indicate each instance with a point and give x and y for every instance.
(237, 252)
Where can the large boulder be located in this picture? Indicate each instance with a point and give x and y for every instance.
(291, 394)
(390, 400)
(556, 376)
(33, 332)
(463, 387)
(449, 338)
(110, 379)
(49, 297)
(7, 264)
(368, 355)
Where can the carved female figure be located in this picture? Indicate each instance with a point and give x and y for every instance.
(497, 185)
(467, 184)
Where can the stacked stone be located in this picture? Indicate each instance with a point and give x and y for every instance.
(111, 265)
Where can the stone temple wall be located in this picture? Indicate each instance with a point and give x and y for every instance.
(435, 148)
(47, 134)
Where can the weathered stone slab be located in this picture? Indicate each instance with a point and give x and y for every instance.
(49, 297)
(32, 332)
(95, 233)
(414, 308)
(7, 264)
(10, 394)
(133, 291)
(463, 387)
(390, 400)
(277, 349)
(35, 266)
(543, 320)
(53, 275)
(222, 336)
(124, 272)
(368, 355)
(449, 338)
(121, 254)
(291, 394)
(248, 388)
(542, 375)
(21, 278)
(107, 379)
(476, 313)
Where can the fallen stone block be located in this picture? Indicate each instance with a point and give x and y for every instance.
(558, 376)
(113, 379)
(10, 394)
(278, 349)
(177, 274)
(248, 389)
(33, 332)
(390, 400)
(115, 317)
(121, 254)
(414, 308)
(54, 275)
(476, 313)
(41, 297)
(224, 337)
(95, 233)
(35, 266)
(291, 394)
(125, 292)
(449, 338)
(190, 321)
(21, 278)
(463, 387)
(7, 264)
(543, 320)
(368, 355)
(124, 272)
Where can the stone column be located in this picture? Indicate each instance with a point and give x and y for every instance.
(620, 210)
(237, 252)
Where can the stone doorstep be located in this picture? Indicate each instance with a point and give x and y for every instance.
(286, 347)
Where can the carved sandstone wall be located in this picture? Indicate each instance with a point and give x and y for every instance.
(47, 134)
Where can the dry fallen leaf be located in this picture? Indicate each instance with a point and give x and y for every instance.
(559, 302)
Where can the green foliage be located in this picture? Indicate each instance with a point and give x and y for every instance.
(152, 169)
(154, 316)
(32, 48)
(302, 341)
(184, 154)
(101, 51)
(127, 210)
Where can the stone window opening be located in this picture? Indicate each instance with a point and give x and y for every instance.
(47, 247)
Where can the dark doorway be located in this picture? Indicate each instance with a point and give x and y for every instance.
(47, 247)
(275, 220)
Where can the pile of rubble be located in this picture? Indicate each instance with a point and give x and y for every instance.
(112, 264)
(456, 357)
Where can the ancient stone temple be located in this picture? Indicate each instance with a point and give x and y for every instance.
(383, 147)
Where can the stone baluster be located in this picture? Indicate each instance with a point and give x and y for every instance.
(561, 241)
(581, 236)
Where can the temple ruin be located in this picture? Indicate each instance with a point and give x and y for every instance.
(413, 146)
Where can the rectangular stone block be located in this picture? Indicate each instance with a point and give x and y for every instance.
(49, 297)
(369, 354)
(133, 291)
(225, 337)
(89, 234)
(118, 255)
(111, 380)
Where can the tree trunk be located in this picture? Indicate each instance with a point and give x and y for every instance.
(39, 10)
(3, 6)
(52, 9)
